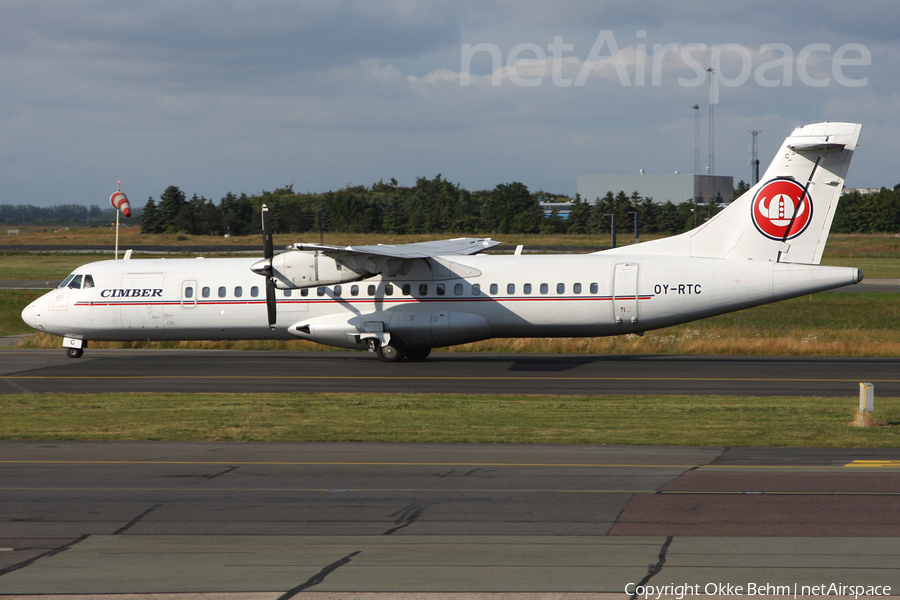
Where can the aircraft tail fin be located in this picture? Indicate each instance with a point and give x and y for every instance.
(787, 216)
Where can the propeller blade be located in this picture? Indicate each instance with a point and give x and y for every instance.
(270, 302)
(268, 251)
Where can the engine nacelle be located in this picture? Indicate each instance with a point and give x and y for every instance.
(303, 268)
(411, 328)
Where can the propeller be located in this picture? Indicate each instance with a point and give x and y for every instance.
(268, 253)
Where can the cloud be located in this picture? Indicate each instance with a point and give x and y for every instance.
(218, 96)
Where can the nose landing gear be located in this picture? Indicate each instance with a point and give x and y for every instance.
(74, 346)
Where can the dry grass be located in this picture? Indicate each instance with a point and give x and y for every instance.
(864, 419)
(706, 341)
(680, 340)
(132, 236)
(839, 245)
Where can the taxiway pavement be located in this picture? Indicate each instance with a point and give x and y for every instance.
(276, 518)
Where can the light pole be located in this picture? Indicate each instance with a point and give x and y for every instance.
(612, 227)
(637, 237)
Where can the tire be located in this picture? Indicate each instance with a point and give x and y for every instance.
(74, 352)
(418, 353)
(390, 353)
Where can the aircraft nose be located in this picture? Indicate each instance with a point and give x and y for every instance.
(28, 315)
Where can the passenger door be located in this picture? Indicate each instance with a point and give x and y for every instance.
(625, 293)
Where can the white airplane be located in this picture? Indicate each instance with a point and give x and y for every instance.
(403, 300)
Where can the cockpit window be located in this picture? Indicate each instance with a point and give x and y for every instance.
(88, 282)
(75, 284)
(65, 282)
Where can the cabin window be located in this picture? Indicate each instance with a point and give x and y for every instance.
(304, 292)
(238, 291)
(254, 291)
(388, 290)
(494, 289)
(544, 288)
(354, 290)
(510, 288)
(560, 288)
(406, 289)
(338, 290)
(576, 289)
(423, 289)
(222, 291)
(287, 293)
(88, 282)
(75, 284)
(476, 289)
(320, 291)
(205, 292)
(441, 289)
(526, 289)
(594, 288)
(188, 292)
(458, 289)
(371, 290)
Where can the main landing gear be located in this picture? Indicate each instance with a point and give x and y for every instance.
(74, 352)
(395, 351)
(390, 352)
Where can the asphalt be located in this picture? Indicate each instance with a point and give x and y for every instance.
(48, 371)
(465, 519)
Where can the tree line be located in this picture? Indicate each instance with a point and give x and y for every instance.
(878, 212)
(431, 206)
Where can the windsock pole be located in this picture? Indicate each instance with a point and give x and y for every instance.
(118, 189)
(120, 203)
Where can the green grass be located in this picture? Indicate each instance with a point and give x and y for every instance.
(11, 304)
(873, 311)
(871, 266)
(52, 267)
(668, 420)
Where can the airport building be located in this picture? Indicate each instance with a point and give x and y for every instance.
(662, 188)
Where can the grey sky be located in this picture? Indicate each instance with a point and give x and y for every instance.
(216, 96)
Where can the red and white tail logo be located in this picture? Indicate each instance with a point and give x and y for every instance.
(779, 205)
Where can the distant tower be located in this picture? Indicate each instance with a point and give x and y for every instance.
(712, 123)
(696, 139)
(754, 160)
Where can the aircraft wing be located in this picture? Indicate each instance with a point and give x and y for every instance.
(366, 261)
(461, 246)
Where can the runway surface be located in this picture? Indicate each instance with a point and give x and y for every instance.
(487, 373)
(272, 520)
(145, 517)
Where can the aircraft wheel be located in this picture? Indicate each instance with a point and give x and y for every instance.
(74, 352)
(390, 353)
(418, 353)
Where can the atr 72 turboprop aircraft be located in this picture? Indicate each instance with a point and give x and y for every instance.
(402, 301)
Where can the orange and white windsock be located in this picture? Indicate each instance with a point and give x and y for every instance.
(120, 202)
